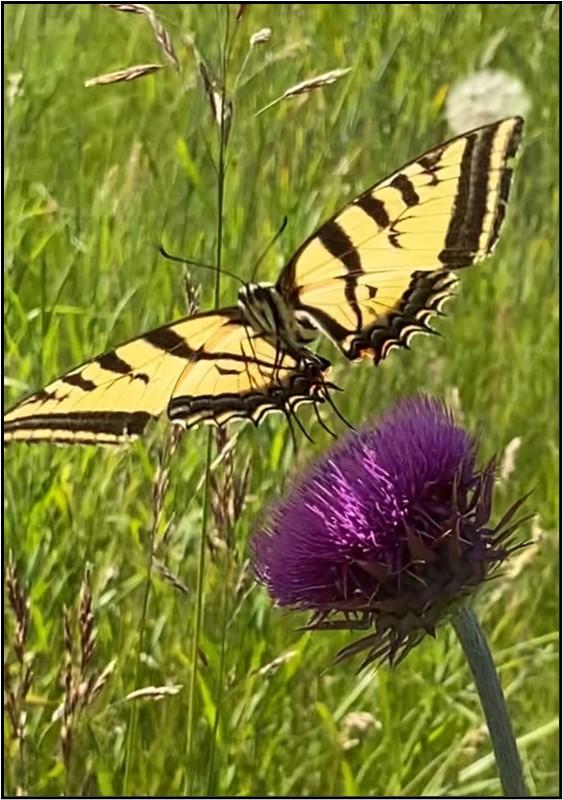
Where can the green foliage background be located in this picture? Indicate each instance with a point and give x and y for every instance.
(93, 179)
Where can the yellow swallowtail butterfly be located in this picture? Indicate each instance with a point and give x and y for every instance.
(369, 279)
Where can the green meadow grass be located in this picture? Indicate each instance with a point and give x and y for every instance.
(94, 178)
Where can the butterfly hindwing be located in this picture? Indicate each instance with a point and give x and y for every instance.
(372, 275)
(242, 375)
(205, 368)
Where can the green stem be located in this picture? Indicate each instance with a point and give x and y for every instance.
(241, 70)
(205, 512)
(199, 608)
(476, 649)
(132, 726)
(225, 604)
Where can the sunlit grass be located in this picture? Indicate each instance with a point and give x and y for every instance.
(94, 179)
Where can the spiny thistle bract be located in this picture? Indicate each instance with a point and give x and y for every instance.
(388, 531)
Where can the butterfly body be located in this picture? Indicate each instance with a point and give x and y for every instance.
(368, 279)
(269, 313)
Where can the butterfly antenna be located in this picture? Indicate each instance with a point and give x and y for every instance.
(192, 262)
(265, 252)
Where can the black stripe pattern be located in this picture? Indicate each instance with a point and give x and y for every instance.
(375, 209)
(470, 205)
(505, 181)
(340, 246)
(113, 363)
(476, 180)
(170, 342)
(403, 185)
(113, 423)
(76, 379)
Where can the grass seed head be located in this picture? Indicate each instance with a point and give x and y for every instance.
(163, 38)
(121, 75)
(261, 37)
(129, 8)
(155, 692)
(307, 86)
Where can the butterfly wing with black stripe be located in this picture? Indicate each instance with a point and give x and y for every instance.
(206, 368)
(374, 274)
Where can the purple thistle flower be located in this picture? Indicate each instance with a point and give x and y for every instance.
(387, 531)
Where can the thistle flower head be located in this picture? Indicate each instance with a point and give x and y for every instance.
(387, 532)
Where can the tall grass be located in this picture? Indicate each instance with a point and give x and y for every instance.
(94, 179)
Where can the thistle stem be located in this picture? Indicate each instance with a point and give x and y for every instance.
(476, 649)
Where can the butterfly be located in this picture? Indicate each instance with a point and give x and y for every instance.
(368, 279)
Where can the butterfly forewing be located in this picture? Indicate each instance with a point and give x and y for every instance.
(372, 275)
(210, 367)
(111, 398)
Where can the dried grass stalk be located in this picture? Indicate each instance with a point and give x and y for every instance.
(191, 292)
(275, 663)
(96, 684)
(220, 457)
(167, 575)
(241, 10)
(18, 603)
(316, 83)
(81, 682)
(209, 85)
(307, 86)
(161, 478)
(228, 492)
(86, 624)
(222, 113)
(17, 677)
(129, 8)
(261, 37)
(127, 74)
(161, 528)
(508, 462)
(163, 38)
(160, 33)
(70, 694)
(155, 692)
